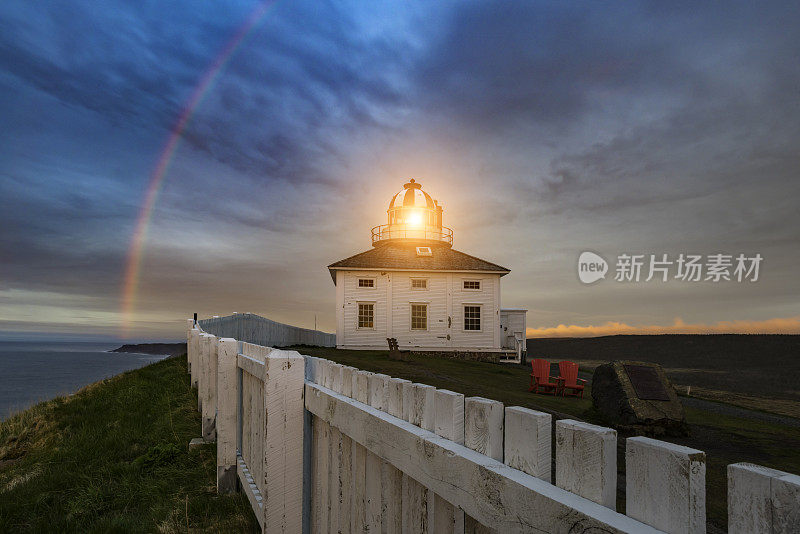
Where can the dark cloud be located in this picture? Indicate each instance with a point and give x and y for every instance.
(613, 125)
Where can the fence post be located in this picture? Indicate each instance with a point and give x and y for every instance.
(195, 357)
(527, 441)
(448, 423)
(359, 499)
(308, 466)
(483, 432)
(393, 479)
(209, 373)
(762, 500)
(189, 328)
(483, 426)
(334, 382)
(665, 485)
(284, 373)
(414, 501)
(320, 459)
(343, 384)
(785, 497)
(376, 468)
(395, 407)
(586, 461)
(202, 352)
(227, 399)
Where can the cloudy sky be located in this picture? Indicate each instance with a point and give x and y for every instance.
(544, 128)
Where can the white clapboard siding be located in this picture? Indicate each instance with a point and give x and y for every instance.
(487, 298)
(353, 294)
(435, 296)
(393, 295)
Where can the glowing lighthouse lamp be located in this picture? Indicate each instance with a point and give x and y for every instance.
(413, 214)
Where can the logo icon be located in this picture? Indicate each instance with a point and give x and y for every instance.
(591, 267)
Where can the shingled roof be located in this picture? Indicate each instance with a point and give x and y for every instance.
(404, 256)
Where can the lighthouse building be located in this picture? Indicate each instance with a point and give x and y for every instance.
(414, 287)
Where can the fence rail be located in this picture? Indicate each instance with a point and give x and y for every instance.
(322, 447)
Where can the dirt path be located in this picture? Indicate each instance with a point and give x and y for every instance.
(736, 411)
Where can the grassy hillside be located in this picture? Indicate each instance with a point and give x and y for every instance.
(114, 458)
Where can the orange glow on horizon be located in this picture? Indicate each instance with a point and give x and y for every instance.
(777, 325)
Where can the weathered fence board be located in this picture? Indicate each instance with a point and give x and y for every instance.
(665, 485)
(527, 441)
(227, 414)
(762, 500)
(283, 447)
(586, 461)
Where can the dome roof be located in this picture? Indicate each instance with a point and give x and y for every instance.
(412, 196)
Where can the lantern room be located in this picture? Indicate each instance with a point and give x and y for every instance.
(413, 216)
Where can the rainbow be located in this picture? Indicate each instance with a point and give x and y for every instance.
(135, 255)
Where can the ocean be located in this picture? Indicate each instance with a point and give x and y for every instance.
(31, 372)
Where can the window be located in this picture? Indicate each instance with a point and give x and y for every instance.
(419, 317)
(419, 283)
(366, 282)
(472, 317)
(473, 285)
(366, 315)
(424, 251)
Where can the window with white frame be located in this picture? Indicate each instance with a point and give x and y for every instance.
(366, 315)
(472, 285)
(472, 317)
(419, 283)
(419, 317)
(366, 282)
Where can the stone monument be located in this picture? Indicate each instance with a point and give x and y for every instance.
(637, 397)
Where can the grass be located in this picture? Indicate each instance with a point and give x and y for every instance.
(114, 458)
(725, 439)
(758, 365)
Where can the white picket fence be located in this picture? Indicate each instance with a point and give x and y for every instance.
(322, 447)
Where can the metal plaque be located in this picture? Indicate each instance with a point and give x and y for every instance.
(646, 382)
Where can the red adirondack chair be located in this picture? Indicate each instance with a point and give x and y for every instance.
(568, 379)
(540, 378)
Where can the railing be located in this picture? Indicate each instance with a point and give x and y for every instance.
(385, 232)
(266, 332)
(322, 447)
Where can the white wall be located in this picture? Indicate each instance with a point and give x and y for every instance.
(436, 299)
(444, 297)
(352, 295)
(512, 321)
(489, 299)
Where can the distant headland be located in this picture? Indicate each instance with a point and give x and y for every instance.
(166, 349)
